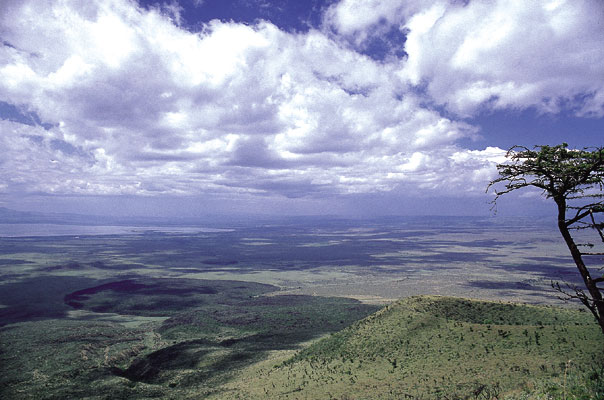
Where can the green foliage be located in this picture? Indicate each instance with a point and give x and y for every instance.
(192, 336)
(437, 347)
(557, 170)
(423, 347)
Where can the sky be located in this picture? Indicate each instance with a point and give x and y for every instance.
(289, 107)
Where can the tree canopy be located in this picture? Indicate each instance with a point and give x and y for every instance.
(574, 179)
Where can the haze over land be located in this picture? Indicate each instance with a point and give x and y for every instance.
(193, 108)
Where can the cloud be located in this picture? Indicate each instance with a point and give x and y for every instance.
(135, 104)
(370, 26)
(361, 17)
(497, 54)
(503, 54)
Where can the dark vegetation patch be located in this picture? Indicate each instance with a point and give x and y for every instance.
(220, 262)
(502, 285)
(189, 270)
(550, 260)
(12, 261)
(37, 298)
(161, 366)
(131, 287)
(116, 267)
(156, 366)
(9, 277)
(72, 266)
(488, 312)
(435, 256)
(299, 314)
(567, 273)
(157, 297)
(486, 243)
(257, 325)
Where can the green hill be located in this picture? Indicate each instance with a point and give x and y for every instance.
(439, 347)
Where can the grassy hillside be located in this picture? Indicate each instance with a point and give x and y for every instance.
(438, 347)
(225, 340)
(151, 338)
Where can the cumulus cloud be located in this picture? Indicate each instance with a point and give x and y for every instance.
(152, 108)
(135, 104)
(369, 26)
(495, 54)
(359, 17)
(509, 54)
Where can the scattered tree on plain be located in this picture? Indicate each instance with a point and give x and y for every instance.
(574, 179)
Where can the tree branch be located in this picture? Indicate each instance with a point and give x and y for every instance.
(596, 226)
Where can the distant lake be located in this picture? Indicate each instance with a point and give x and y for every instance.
(24, 230)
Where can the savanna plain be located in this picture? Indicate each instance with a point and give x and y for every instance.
(295, 308)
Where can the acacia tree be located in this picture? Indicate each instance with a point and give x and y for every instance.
(574, 180)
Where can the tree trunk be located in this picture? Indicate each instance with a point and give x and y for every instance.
(597, 308)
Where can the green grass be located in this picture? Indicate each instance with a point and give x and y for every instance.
(437, 347)
(190, 337)
(238, 344)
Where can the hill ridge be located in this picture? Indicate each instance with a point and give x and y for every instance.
(440, 347)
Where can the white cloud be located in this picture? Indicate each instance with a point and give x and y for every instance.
(362, 18)
(499, 53)
(511, 54)
(354, 16)
(142, 106)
